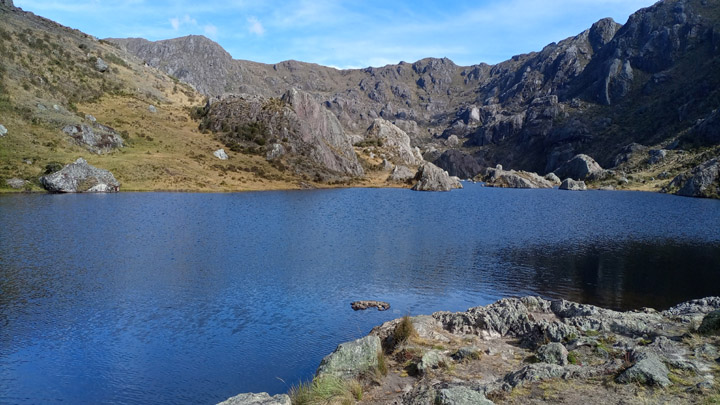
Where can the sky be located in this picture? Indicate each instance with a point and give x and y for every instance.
(345, 33)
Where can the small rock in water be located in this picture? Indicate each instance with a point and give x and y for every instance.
(363, 305)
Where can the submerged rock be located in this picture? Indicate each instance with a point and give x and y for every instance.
(80, 177)
(432, 178)
(351, 359)
(262, 398)
(362, 305)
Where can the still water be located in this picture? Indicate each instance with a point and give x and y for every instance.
(192, 298)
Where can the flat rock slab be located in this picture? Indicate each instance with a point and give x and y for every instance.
(363, 305)
(262, 398)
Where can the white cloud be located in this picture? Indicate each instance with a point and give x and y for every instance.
(175, 22)
(179, 22)
(255, 27)
(211, 30)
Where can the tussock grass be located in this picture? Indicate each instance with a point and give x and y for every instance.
(326, 390)
(404, 330)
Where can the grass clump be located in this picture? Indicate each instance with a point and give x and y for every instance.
(326, 390)
(404, 330)
(573, 358)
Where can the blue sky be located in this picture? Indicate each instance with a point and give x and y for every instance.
(345, 33)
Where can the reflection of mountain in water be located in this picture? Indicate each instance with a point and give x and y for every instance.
(629, 275)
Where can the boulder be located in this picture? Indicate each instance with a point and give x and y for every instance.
(220, 154)
(553, 353)
(100, 65)
(87, 116)
(710, 324)
(702, 181)
(152, 109)
(3, 131)
(430, 360)
(581, 167)
(276, 151)
(96, 138)
(395, 141)
(552, 178)
(627, 152)
(467, 353)
(453, 141)
(648, 369)
(401, 174)
(656, 156)
(15, 183)
(460, 396)
(432, 178)
(362, 305)
(80, 177)
(458, 163)
(514, 179)
(262, 398)
(351, 359)
(573, 185)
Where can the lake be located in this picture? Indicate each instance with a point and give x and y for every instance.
(192, 298)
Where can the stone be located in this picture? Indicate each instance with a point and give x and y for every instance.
(152, 109)
(363, 305)
(15, 183)
(3, 131)
(710, 324)
(100, 65)
(648, 369)
(453, 141)
(80, 177)
(656, 156)
(432, 178)
(573, 185)
(220, 154)
(580, 167)
(533, 373)
(351, 359)
(386, 165)
(430, 360)
(467, 353)
(401, 174)
(553, 353)
(514, 179)
(627, 152)
(96, 138)
(551, 177)
(395, 141)
(702, 181)
(458, 163)
(460, 396)
(262, 398)
(90, 118)
(276, 151)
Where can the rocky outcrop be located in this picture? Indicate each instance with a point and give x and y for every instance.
(553, 353)
(432, 178)
(96, 138)
(363, 305)
(573, 185)
(458, 163)
(351, 359)
(80, 177)
(7, 3)
(514, 179)
(648, 369)
(710, 324)
(401, 174)
(257, 399)
(702, 181)
(580, 167)
(395, 142)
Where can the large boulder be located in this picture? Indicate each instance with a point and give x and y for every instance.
(351, 359)
(395, 141)
(432, 178)
(96, 138)
(648, 369)
(100, 65)
(262, 398)
(573, 185)
(498, 177)
(220, 154)
(460, 396)
(710, 324)
(553, 353)
(458, 163)
(80, 177)
(702, 181)
(401, 174)
(580, 167)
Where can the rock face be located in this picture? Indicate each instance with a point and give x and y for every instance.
(257, 399)
(8, 3)
(458, 163)
(220, 154)
(96, 138)
(580, 167)
(432, 178)
(352, 358)
(395, 141)
(401, 174)
(80, 177)
(514, 179)
(573, 185)
(702, 181)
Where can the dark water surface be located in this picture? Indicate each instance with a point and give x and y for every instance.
(192, 298)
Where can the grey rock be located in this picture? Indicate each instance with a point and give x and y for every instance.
(627, 153)
(262, 398)
(3, 131)
(648, 369)
(432, 178)
(15, 183)
(96, 138)
(573, 185)
(467, 353)
(580, 167)
(553, 353)
(100, 65)
(551, 177)
(515, 179)
(535, 372)
(386, 165)
(220, 154)
(395, 141)
(656, 156)
(401, 174)
(710, 324)
(363, 305)
(702, 181)
(460, 396)
(80, 177)
(8, 3)
(276, 151)
(430, 360)
(351, 359)
(453, 141)
(90, 118)
(458, 163)
(152, 109)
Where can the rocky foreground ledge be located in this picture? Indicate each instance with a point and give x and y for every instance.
(525, 350)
